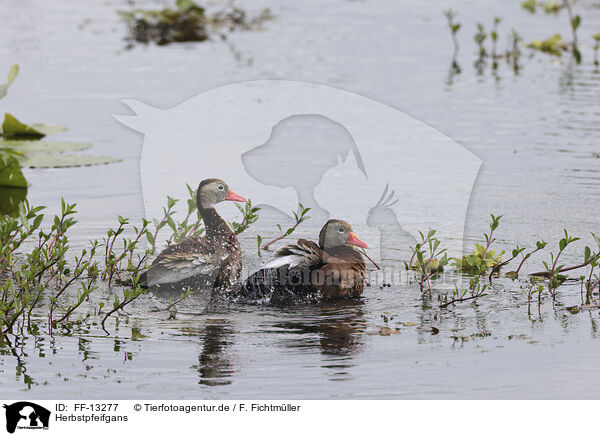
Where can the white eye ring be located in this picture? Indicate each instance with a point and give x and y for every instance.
(341, 229)
(221, 187)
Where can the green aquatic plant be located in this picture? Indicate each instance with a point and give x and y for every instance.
(513, 53)
(529, 291)
(529, 5)
(549, 7)
(258, 243)
(29, 276)
(428, 259)
(482, 258)
(249, 216)
(11, 175)
(539, 245)
(299, 217)
(494, 37)
(596, 47)
(187, 22)
(554, 272)
(593, 280)
(37, 265)
(552, 7)
(479, 261)
(454, 28)
(20, 146)
(191, 224)
(12, 74)
(554, 44)
(480, 38)
(129, 295)
(517, 251)
(553, 268)
(474, 291)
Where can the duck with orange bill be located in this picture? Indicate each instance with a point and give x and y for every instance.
(332, 269)
(213, 259)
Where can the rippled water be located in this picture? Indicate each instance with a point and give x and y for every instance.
(537, 133)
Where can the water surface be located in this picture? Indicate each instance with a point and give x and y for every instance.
(536, 132)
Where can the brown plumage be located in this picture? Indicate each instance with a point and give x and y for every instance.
(307, 270)
(214, 259)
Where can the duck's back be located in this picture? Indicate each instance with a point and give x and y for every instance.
(305, 272)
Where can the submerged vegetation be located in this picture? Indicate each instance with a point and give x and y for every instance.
(554, 45)
(188, 22)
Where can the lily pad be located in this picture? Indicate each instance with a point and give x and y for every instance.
(14, 70)
(10, 172)
(33, 146)
(48, 129)
(13, 128)
(59, 160)
(10, 198)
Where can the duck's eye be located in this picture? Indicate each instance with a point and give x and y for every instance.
(341, 229)
(221, 187)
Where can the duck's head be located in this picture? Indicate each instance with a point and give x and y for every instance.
(213, 191)
(336, 233)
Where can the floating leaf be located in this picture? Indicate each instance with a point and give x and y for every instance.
(553, 45)
(529, 5)
(48, 129)
(14, 70)
(59, 160)
(34, 146)
(13, 128)
(10, 198)
(10, 172)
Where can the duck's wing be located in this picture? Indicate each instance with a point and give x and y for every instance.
(302, 254)
(191, 257)
(343, 275)
(281, 279)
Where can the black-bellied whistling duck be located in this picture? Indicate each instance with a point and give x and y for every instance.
(214, 258)
(333, 268)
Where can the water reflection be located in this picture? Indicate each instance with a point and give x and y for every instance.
(214, 365)
(335, 329)
(16, 350)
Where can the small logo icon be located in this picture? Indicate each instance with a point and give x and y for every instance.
(26, 415)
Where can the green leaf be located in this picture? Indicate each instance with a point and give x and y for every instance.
(529, 5)
(588, 253)
(27, 146)
(12, 74)
(48, 129)
(13, 128)
(10, 198)
(58, 160)
(10, 172)
(576, 22)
